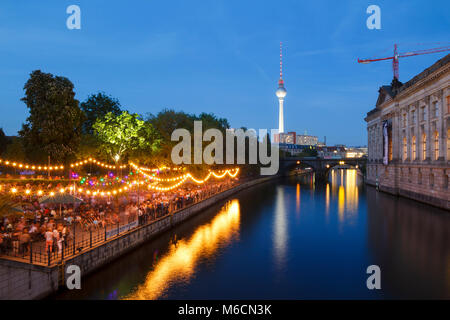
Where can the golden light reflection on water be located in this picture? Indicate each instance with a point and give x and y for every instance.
(297, 199)
(344, 183)
(179, 264)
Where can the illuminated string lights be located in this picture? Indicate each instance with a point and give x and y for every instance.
(130, 185)
(98, 163)
(30, 166)
(163, 168)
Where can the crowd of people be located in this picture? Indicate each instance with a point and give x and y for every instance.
(52, 225)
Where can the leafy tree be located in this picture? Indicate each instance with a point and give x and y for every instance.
(120, 135)
(54, 125)
(15, 150)
(165, 122)
(97, 106)
(209, 120)
(4, 141)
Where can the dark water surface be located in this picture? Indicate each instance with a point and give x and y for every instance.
(289, 239)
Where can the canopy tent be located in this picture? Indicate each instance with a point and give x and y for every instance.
(60, 198)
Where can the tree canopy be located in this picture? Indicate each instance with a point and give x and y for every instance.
(4, 141)
(122, 134)
(96, 107)
(53, 126)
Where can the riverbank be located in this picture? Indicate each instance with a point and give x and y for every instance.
(20, 280)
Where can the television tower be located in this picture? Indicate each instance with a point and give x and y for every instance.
(281, 93)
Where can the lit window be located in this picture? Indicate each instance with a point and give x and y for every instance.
(414, 147)
(448, 144)
(424, 146)
(436, 145)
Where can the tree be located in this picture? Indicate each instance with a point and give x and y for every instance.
(165, 122)
(119, 135)
(54, 125)
(209, 120)
(15, 151)
(96, 107)
(4, 141)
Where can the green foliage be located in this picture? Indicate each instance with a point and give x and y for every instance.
(4, 141)
(168, 120)
(54, 124)
(120, 135)
(209, 120)
(15, 150)
(165, 122)
(96, 107)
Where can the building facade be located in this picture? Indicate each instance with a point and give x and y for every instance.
(307, 140)
(408, 137)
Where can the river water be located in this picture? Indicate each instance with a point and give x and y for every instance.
(290, 239)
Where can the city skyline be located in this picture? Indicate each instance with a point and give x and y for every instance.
(217, 58)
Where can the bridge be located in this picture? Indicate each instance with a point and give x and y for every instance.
(322, 166)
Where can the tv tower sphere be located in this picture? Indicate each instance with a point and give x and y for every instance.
(281, 92)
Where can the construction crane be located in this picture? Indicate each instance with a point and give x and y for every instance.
(397, 55)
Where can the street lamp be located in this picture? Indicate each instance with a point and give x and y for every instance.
(117, 158)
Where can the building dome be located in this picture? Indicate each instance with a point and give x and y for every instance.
(281, 92)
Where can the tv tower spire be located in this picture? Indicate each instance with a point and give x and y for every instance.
(280, 82)
(281, 93)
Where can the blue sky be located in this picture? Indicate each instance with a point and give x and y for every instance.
(221, 57)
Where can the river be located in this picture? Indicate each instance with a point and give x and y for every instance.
(289, 239)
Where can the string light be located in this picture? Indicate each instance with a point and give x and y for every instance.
(30, 166)
(98, 163)
(178, 182)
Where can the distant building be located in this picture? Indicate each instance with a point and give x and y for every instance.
(294, 149)
(409, 137)
(306, 140)
(355, 152)
(328, 152)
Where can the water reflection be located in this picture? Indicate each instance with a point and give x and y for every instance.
(297, 199)
(280, 230)
(179, 263)
(345, 184)
(411, 244)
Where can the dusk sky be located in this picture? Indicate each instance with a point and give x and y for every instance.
(221, 57)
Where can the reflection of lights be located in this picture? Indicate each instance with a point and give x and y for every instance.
(180, 262)
(297, 198)
(341, 203)
(327, 199)
(280, 230)
(347, 191)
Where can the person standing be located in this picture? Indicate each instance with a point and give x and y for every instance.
(49, 240)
